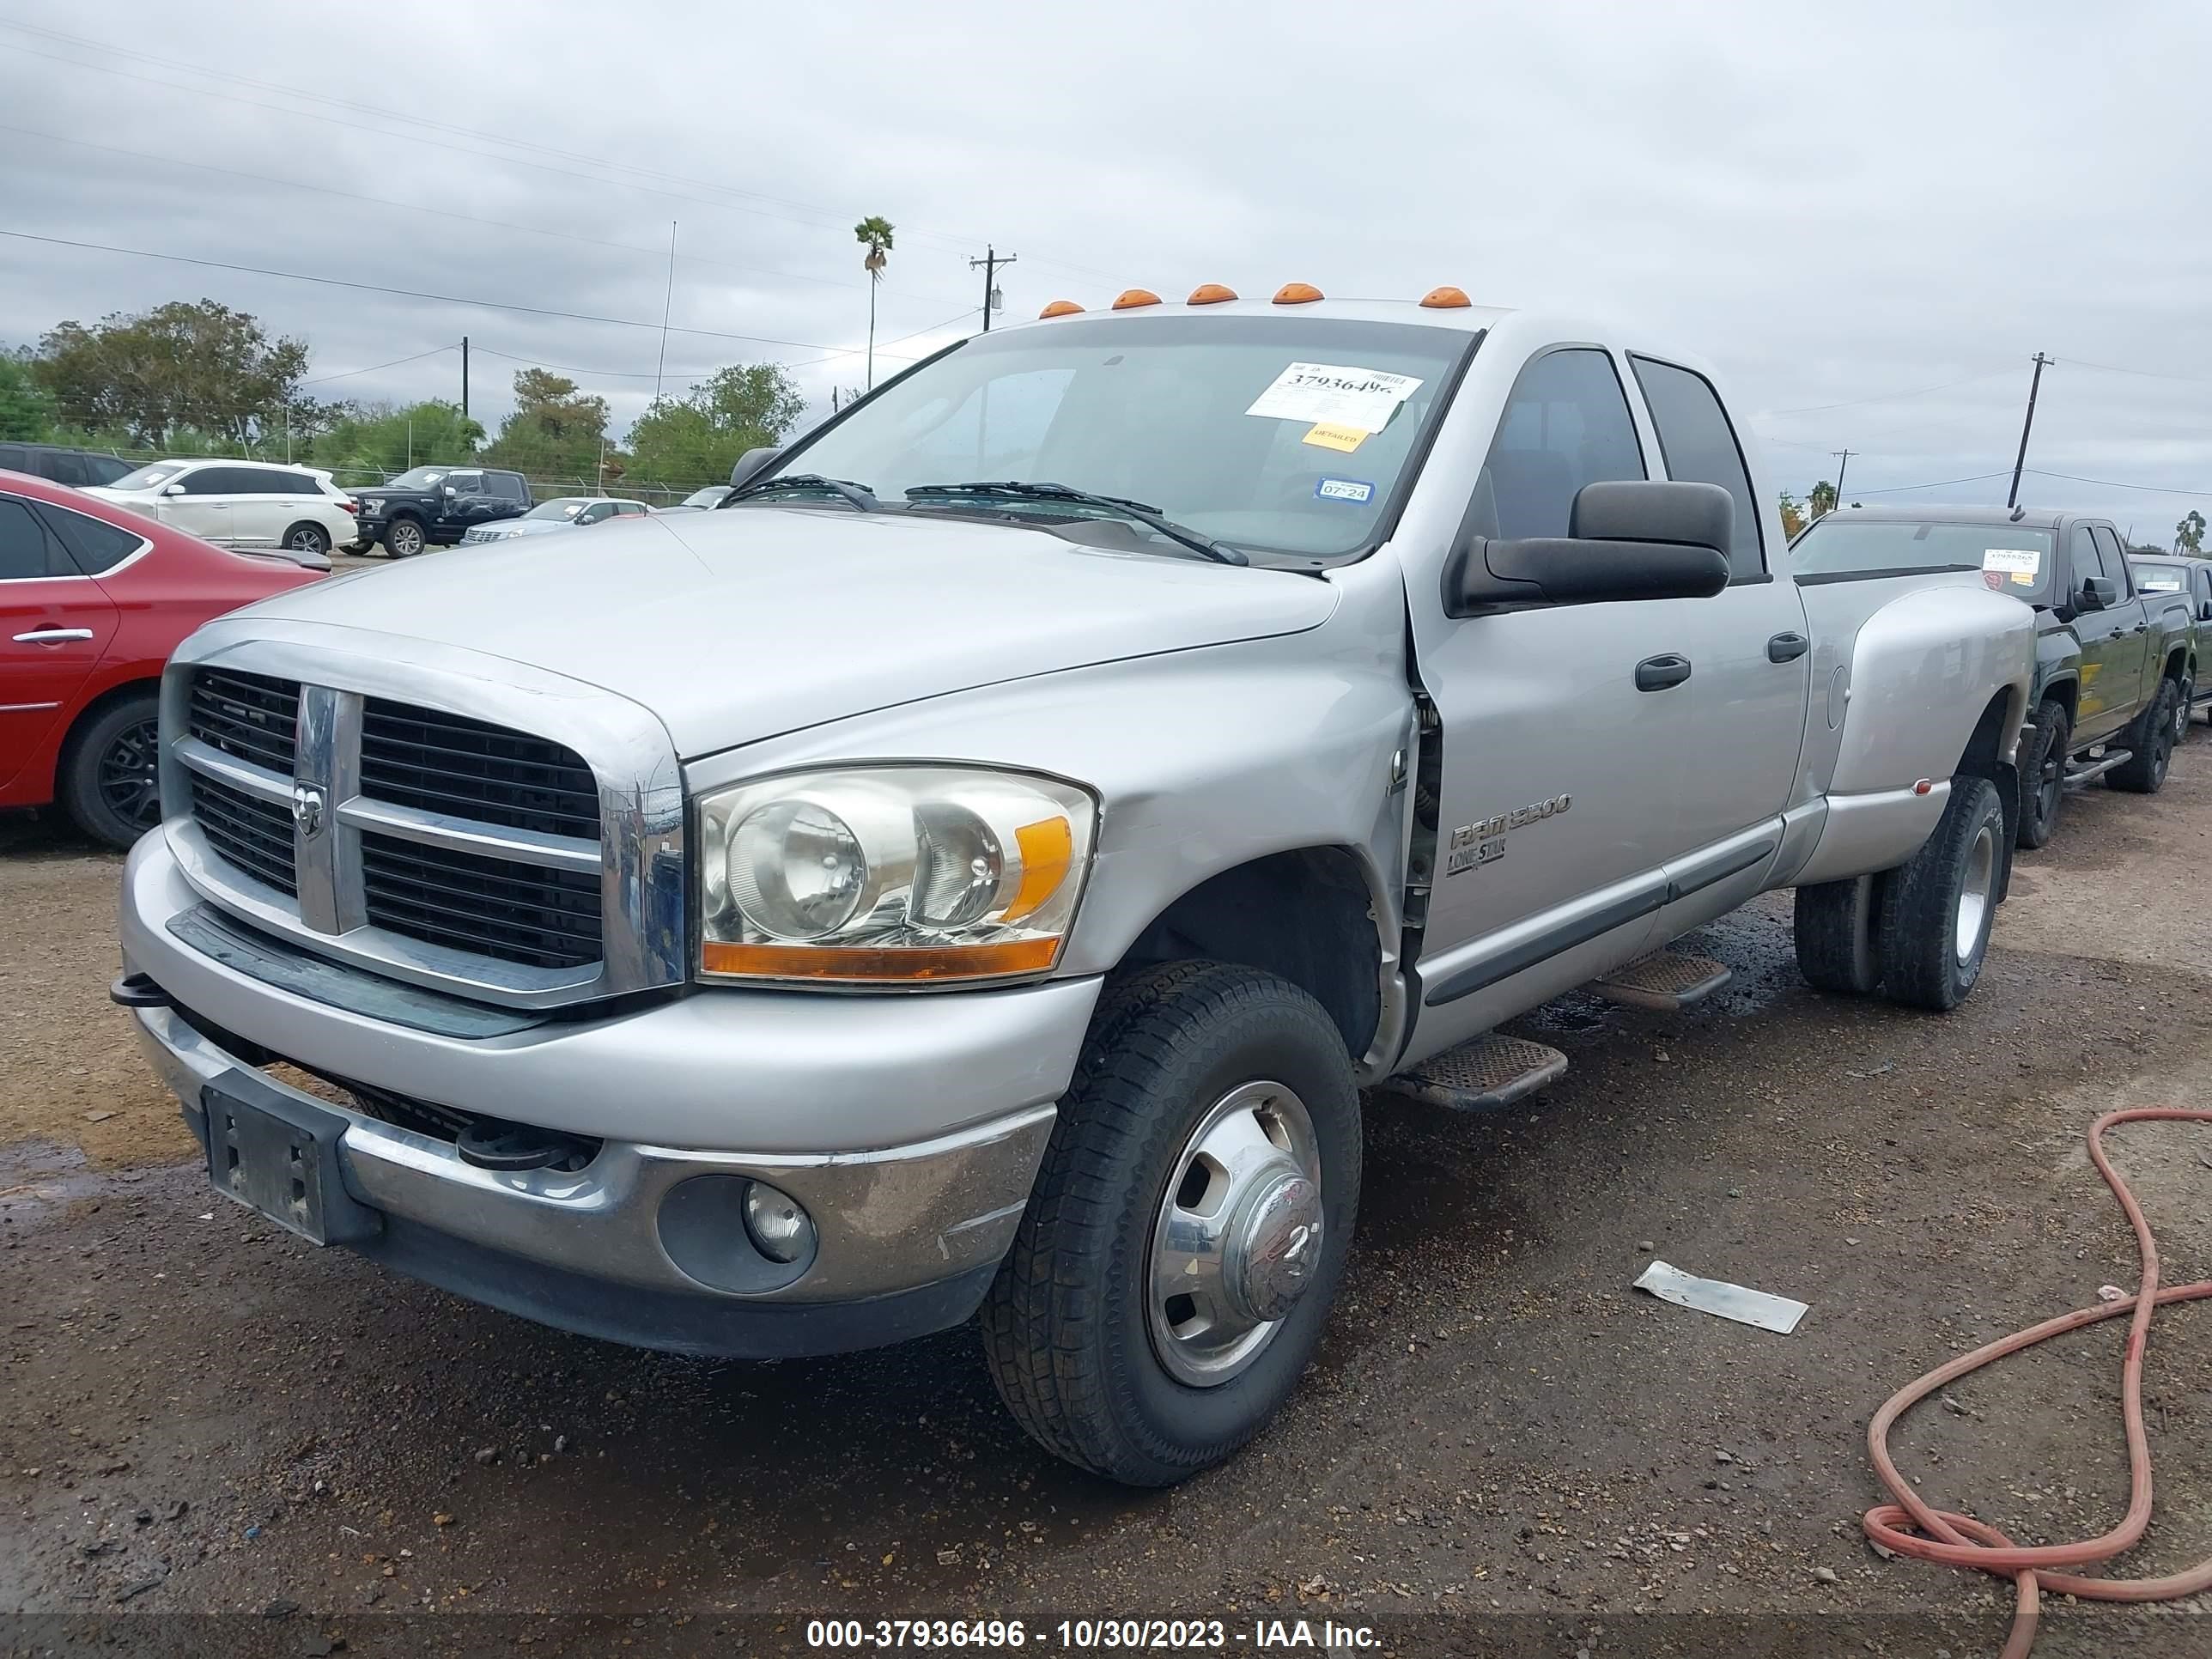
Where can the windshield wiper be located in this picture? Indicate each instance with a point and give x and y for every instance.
(1120, 506)
(857, 496)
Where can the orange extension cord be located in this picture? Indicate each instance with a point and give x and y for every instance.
(1959, 1541)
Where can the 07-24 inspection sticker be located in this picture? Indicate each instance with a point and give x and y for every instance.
(2019, 564)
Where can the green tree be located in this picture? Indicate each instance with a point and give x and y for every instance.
(555, 430)
(697, 438)
(1793, 516)
(2188, 534)
(186, 365)
(383, 439)
(1820, 500)
(873, 232)
(26, 409)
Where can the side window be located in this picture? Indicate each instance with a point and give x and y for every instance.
(2115, 558)
(594, 513)
(208, 481)
(2082, 558)
(466, 483)
(630, 510)
(1565, 425)
(94, 545)
(106, 469)
(2201, 585)
(509, 485)
(292, 484)
(26, 552)
(1698, 443)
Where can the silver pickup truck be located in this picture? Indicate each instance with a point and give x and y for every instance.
(978, 867)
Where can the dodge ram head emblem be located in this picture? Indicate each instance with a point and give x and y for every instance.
(308, 809)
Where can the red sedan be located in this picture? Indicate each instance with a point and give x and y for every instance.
(93, 598)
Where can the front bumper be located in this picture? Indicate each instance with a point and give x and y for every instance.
(911, 1135)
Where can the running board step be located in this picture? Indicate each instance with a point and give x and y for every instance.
(1666, 981)
(2088, 771)
(1482, 1075)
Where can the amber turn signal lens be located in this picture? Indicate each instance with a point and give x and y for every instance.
(1445, 299)
(1047, 846)
(1209, 293)
(863, 962)
(1130, 298)
(1296, 294)
(1061, 308)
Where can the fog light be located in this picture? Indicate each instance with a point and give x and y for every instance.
(781, 1229)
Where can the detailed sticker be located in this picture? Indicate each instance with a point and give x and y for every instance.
(2159, 584)
(1333, 394)
(1346, 438)
(2018, 563)
(1355, 490)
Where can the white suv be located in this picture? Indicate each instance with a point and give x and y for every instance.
(252, 506)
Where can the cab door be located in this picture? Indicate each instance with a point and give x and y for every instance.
(55, 625)
(2112, 642)
(199, 502)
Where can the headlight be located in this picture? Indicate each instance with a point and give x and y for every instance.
(888, 875)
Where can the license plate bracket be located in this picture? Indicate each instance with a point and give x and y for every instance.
(278, 1156)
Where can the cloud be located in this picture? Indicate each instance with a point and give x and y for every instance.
(1834, 203)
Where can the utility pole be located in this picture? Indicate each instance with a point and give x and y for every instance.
(667, 303)
(2013, 498)
(992, 298)
(1843, 466)
(465, 377)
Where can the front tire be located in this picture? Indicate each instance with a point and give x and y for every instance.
(2143, 773)
(109, 781)
(1937, 906)
(1210, 1140)
(403, 538)
(2043, 776)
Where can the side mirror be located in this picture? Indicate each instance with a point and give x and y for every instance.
(2204, 611)
(450, 491)
(752, 464)
(173, 489)
(1626, 539)
(2098, 594)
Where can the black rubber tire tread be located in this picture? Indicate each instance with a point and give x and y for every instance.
(77, 783)
(392, 552)
(1837, 925)
(2151, 738)
(2052, 726)
(1063, 1345)
(322, 536)
(1920, 904)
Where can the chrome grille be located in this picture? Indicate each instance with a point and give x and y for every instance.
(440, 763)
(253, 834)
(513, 911)
(439, 847)
(249, 717)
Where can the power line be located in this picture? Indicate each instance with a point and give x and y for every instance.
(2145, 374)
(441, 299)
(700, 374)
(447, 212)
(1886, 397)
(325, 380)
(1940, 484)
(2114, 484)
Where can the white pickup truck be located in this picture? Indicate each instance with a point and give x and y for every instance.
(979, 865)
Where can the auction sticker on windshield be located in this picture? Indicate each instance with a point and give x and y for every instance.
(1333, 395)
(2019, 563)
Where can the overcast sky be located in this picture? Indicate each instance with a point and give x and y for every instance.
(1839, 205)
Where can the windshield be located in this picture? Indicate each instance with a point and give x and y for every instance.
(420, 477)
(710, 497)
(2155, 576)
(2015, 555)
(148, 478)
(1279, 435)
(565, 507)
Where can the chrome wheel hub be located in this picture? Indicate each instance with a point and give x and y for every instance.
(1238, 1241)
(1974, 892)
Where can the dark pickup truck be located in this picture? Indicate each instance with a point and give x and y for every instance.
(2115, 665)
(2159, 575)
(436, 506)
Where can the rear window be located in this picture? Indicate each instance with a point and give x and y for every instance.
(2153, 577)
(2017, 558)
(95, 544)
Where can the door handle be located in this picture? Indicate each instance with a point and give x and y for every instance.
(1657, 673)
(53, 635)
(2140, 627)
(1787, 648)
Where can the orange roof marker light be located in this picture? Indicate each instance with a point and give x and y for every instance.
(1446, 298)
(1209, 293)
(1061, 308)
(1130, 298)
(1296, 294)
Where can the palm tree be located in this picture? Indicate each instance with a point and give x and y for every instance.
(875, 231)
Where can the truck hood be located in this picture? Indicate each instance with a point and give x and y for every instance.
(738, 625)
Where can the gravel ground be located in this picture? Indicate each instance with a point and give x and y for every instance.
(213, 1436)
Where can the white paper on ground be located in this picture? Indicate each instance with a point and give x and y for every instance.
(1713, 1296)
